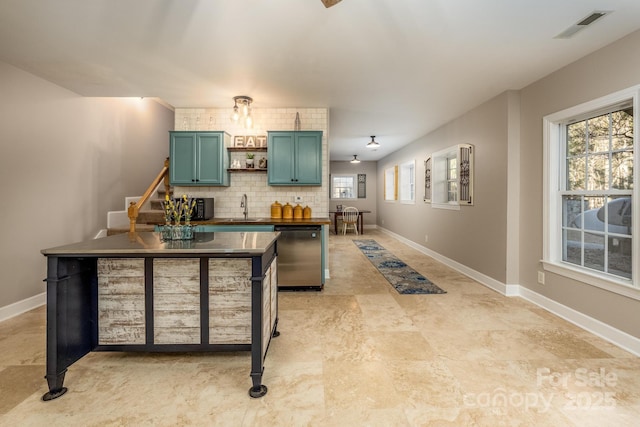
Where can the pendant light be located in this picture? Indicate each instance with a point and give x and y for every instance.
(373, 144)
(242, 111)
(355, 159)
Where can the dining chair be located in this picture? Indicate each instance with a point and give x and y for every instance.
(349, 218)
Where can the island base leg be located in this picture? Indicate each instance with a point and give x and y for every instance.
(258, 391)
(55, 386)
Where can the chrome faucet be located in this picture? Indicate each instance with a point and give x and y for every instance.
(245, 205)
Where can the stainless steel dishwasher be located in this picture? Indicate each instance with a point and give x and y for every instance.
(299, 257)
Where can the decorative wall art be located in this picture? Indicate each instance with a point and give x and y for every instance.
(362, 186)
(427, 180)
(250, 141)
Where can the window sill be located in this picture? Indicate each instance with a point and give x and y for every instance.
(449, 206)
(602, 281)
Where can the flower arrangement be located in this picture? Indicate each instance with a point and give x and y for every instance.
(169, 209)
(174, 211)
(177, 209)
(187, 205)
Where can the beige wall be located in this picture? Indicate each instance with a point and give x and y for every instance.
(501, 235)
(474, 236)
(367, 203)
(62, 165)
(608, 70)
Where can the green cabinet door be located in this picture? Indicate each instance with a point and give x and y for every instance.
(280, 158)
(212, 168)
(295, 158)
(199, 158)
(309, 158)
(182, 155)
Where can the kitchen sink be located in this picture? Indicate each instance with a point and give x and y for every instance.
(241, 220)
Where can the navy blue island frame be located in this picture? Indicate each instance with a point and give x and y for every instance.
(72, 313)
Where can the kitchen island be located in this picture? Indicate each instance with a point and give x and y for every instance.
(133, 292)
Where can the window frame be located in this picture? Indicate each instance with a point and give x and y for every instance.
(438, 177)
(553, 174)
(451, 179)
(391, 184)
(408, 182)
(354, 177)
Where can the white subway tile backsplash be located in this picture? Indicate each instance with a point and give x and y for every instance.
(254, 184)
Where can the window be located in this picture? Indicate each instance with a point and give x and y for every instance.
(452, 178)
(449, 177)
(390, 183)
(343, 187)
(589, 191)
(408, 182)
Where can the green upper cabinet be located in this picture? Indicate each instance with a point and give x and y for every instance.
(294, 158)
(199, 158)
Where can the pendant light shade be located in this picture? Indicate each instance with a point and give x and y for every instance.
(373, 144)
(355, 159)
(242, 111)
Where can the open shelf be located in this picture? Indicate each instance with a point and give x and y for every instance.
(247, 149)
(247, 169)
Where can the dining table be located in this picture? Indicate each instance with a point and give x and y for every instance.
(338, 214)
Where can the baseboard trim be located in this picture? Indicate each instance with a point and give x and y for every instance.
(609, 333)
(615, 336)
(17, 308)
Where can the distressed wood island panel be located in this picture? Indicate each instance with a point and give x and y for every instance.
(121, 306)
(273, 269)
(266, 310)
(229, 301)
(176, 300)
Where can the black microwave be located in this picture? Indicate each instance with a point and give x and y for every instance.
(203, 209)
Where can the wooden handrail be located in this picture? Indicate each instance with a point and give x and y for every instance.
(134, 207)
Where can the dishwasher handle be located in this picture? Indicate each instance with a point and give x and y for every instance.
(297, 228)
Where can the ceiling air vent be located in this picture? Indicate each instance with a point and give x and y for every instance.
(582, 24)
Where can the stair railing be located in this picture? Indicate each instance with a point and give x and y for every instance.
(134, 207)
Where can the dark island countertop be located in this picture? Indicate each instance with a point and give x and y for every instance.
(264, 221)
(150, 243)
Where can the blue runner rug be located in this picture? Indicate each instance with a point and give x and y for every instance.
(402, 277)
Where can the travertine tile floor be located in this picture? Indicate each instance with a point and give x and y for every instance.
(356, 354)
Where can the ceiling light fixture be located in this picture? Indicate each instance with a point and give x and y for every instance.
(373, 144)
(355, 159)
(329, 3)
(242, 111)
